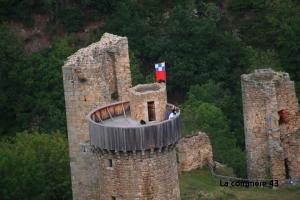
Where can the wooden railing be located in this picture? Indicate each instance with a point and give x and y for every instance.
(130, 138)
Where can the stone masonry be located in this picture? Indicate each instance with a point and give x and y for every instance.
(271, 122)
(97, 76)
(140, 95)
(94, 76)
(145, 175)
(193, 151)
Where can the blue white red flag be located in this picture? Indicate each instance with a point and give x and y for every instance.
(160, 71)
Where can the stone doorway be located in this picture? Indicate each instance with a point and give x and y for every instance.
(151, 111)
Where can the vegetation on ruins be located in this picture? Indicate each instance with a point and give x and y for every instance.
(206, 44)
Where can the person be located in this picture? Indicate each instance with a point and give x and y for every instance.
(175, 109)
(171, 116)
(168, 113)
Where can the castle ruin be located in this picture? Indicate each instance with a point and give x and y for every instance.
(113, 156)
(271, 122)
(194, 151)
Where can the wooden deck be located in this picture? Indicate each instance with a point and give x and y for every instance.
(111, 128)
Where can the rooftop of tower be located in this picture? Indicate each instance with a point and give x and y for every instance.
(111, 127)
(117, 115)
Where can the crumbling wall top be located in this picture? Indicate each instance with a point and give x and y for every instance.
(108, 43)
(265, 75)
(148, 88)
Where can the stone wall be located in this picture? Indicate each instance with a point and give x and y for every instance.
(94, 76)
(193, 151)
(140, 95)
(271, 124)
(150, 174)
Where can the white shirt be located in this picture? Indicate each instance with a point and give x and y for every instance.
(171, 116)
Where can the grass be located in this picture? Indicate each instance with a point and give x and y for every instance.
(198, 184)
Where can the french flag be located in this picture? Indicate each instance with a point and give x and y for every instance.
(160, 71)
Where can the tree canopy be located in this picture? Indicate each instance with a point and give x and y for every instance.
(35, 166)
(207, 45)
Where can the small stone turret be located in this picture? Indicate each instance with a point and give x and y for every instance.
(148, 102)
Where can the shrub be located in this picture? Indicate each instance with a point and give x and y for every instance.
(35, 166)
(73, 19)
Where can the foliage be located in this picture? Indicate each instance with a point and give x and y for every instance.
(31, 87)
(13, 9)
(102, 6)
(150, 78)
(263, 60)
(210, 10)
(136, 75)
(220, 96)
(43, 86)
(129, 13)
(255, 4)
(199, 116)
(205, 48)
(284, 17)
(21, 9)
(10, 54)
(197, 51)
(35, 166)
(73, 19)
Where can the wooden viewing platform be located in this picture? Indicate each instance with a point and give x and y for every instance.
(111, 128)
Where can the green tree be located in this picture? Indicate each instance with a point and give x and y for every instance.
(265, 59)
(231, 105)
(42, 87)
(72, 18)
(31, 87)
(240, 5)
(136, 75)
(195, 51)
(102, 6)
(35, 166)
(284, 16)
(198, 116)
(129, 20)
(11, 53)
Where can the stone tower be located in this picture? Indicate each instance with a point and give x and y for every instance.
(143, 108)
(112, 155)
(271, 123)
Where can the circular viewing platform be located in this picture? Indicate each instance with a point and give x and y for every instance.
(111, 128)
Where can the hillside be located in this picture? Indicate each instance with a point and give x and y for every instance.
(206, 45)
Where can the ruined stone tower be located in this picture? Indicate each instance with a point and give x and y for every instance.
(112, 155)
(272, 124)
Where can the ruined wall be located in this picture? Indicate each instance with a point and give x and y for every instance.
(271, 124)
(94, 76)
(193, 151)
(143, 93)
